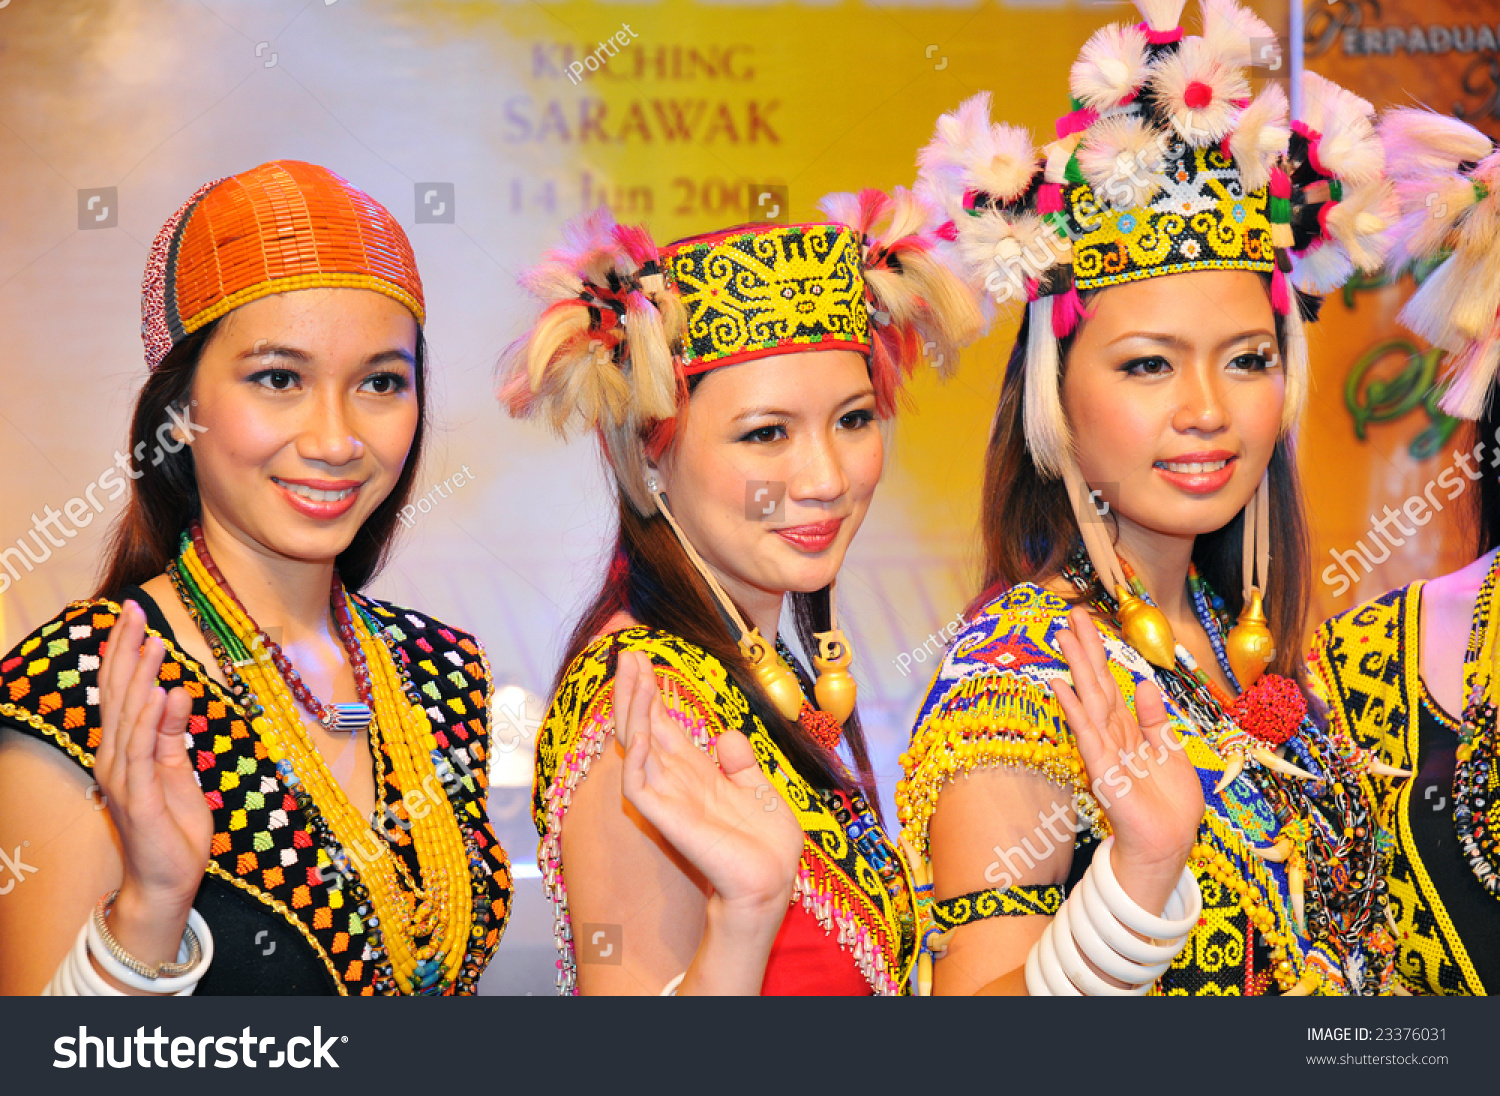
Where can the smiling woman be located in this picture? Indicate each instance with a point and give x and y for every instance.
(1139, 481)
(290, 795)
(737, 383)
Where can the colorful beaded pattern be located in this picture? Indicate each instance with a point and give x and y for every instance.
(990, 705)
(1011, 902)
(1358, 666)
(850, 877)
(268, 841)
(1202, 219)
(754, 291)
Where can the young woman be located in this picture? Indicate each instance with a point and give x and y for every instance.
(229, 752)
(739, 382)
(1411, 675)
(1101, 757)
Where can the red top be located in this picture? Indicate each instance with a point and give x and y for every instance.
(807, 961)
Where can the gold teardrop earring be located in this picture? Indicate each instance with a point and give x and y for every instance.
(1250, 646)
(835, 688)
(1142, 624)
(775, 678)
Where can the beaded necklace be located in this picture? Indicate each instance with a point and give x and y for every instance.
(424, 929)
(1476, 775)
(1325, 822)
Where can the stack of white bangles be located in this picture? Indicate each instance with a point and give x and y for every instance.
(1100, 924)
(76, 976)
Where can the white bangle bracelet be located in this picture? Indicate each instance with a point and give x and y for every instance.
(1128, 913)
(180, 985)
(1063, 932)
(1096, 949)
(1044, 973)
(1116, 936)
(76, 976)
(671, 988)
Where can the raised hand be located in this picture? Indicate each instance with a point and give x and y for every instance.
(727, 820)
(164, 824)
(1137, 766)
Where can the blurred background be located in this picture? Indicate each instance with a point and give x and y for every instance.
(483, 126)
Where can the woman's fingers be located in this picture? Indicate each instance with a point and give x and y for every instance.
(115, 671)
(140, 732)
(1085, 682)
(170, 748)
(736, 755)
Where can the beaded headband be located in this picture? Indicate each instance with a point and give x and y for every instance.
(753, 291)
(1163, 165)
(1448, 186)
(276, 228)
(625, 323)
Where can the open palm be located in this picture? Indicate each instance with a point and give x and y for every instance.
(727, 820)
(165, 824)
(1136, 764)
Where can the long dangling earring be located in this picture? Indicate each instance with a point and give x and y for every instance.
(1250, 646)
(1143, 625)
(774, 676)
(835, 687)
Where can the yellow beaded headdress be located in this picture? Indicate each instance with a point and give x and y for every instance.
(279, 227)
(1163, 165)
(625, 323)
(749, 292)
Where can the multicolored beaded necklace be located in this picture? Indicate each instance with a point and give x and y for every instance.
(1325, 821)
(1476, 774)
(424, 930)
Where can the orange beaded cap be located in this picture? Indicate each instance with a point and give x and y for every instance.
(276, 228)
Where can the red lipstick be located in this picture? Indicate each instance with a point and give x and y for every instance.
(811, 538)
(1214, 469)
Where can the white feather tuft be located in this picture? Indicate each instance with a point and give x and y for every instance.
(1349, 149)
(1122, 159)
(1321, 269)
(1193, 68)
(1261, 136)
(969, 153)
(1234, 32)
(1361, 222)
(1418, 141)
(1161, 15)
(1043, 420)
(1112, 65)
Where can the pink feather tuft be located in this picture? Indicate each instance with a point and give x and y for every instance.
(1281, 294)
(1077, 121)
(1067, 312)
(1281, 184)
(947, 231)
(1049, 199)
(637, 242)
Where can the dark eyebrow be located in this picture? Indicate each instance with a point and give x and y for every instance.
(757, 412)
(276, 350)
(394, 354)
(1178, 343)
